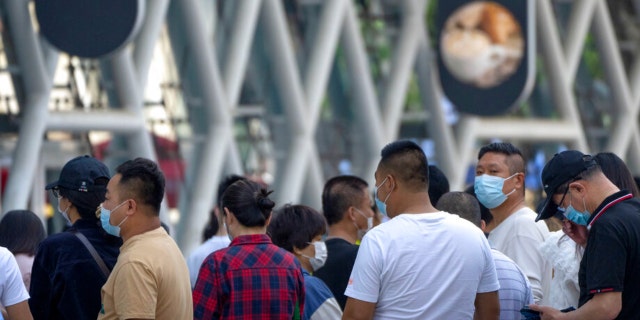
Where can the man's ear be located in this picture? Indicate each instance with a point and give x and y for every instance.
(578, 187)
(483, 225)
(131, 207)
(393, 183)
(519, 179)
(351, 213)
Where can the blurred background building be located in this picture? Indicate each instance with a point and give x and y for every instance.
(294, 92)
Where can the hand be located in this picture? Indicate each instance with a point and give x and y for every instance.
(576, 232)
(547, 313)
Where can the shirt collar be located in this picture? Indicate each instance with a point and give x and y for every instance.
(608, 202)
(250, 239)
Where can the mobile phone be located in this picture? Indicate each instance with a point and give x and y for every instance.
(530, 314)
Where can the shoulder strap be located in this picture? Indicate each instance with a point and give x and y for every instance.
(94, 253)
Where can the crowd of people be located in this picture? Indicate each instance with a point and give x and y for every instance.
(406, 247)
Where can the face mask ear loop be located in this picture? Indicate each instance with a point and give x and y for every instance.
(514, 189)
(388, 194)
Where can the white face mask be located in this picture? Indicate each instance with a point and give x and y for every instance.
(321, 255)
(361, 232)
(64, 213)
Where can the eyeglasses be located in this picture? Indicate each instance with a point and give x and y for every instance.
(560, 210)
(56, 192)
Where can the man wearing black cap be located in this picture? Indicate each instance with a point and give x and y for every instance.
(606, 220)
(66, 278)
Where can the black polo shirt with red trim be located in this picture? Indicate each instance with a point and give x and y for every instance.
(611, 260)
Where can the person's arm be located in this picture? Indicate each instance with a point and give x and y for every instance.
(14, 295)
(205, 306)
(487, 306)
(358, 310)
(42, 288)
(364, 282)
(329, 309)
(605, 305)
(19, 311)
(576, 232)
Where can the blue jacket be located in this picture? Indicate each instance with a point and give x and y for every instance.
(65, 279)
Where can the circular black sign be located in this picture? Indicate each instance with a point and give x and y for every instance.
(89, 28)
(486, 53)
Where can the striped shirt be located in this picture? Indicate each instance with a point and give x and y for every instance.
(515, 290)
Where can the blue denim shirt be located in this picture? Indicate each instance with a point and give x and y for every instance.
(65, 279)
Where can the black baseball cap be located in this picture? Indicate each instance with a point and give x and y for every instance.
(80, 174)
(563, 167)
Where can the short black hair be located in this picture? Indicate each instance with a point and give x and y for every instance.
(340, 193)
(408, 162)
(295, 226)
(438, 183)
(462, 204)
(249, 202)
(143, 180)
(515, 159)
(213, 225)
(21, 231)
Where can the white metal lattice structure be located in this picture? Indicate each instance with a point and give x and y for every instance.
(379, 110)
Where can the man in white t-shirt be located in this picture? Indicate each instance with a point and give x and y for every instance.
(499, 186)
(13, 295)
(422, 263)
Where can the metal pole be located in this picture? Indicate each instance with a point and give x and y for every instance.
(290, 183)
(147, 37)
(555, 62)
(212, 157)
(403, 61)
(367, 106)
(37, 86)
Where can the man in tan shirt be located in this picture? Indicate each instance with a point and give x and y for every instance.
(150, 279)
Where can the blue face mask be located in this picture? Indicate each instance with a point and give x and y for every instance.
(488, 190)
(105, 215)
(579, 217)
(382, 205)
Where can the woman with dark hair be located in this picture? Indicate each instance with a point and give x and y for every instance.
(299, 229)
(251, 278)
(70, 267)
(21, 231)
(617, 171)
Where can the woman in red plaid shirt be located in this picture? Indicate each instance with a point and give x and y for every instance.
(252, 278)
